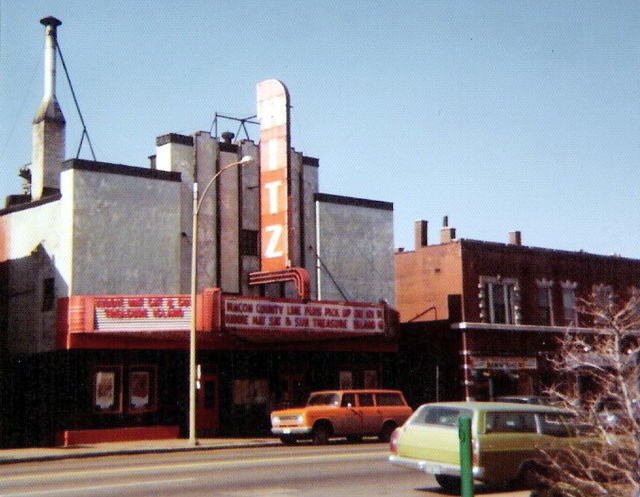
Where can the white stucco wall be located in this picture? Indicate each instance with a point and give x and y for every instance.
(107, 234)
(355, 245)
(125, 234)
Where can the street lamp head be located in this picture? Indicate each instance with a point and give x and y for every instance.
(247, 159)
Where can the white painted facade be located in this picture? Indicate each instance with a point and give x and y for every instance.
(107, 232)
(355, 248)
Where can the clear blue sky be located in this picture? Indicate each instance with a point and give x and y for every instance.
(504, 115)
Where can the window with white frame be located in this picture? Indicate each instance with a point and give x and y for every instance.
(544, 302)
(499, 300)
(569, 312)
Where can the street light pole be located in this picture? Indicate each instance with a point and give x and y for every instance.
(247, 159)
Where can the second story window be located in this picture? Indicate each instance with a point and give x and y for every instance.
(248, 242)
(499, 300)
(544, 302)
(569, 312)
(603, 301)
(48, 294)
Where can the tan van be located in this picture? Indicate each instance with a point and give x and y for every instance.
(342, 413)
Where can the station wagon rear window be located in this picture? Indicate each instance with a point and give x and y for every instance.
(558, 425)
(444, 416)
(510, 422)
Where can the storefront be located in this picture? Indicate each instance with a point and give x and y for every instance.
(126, 358)
(505, 360)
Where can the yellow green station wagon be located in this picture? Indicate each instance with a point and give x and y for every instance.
(506, 439)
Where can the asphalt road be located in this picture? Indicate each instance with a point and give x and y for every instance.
(354, 470)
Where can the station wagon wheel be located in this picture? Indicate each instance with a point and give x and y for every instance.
(451, 484)
(320, 434)
(530, 474)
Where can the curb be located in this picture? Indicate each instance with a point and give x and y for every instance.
(96, 451)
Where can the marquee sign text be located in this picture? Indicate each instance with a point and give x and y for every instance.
(314, 316)
(135, 313)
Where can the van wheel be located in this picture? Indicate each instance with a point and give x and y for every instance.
(385, 433)
(320, 434)
(450, 484)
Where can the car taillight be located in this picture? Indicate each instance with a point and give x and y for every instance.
(474, 452)
(393, 441)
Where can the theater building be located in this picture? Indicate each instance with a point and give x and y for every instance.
(294, 288)
(481, 318)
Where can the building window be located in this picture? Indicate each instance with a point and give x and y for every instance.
(48, 294)
(544, 302)
(499, 300)
(249, 242)
(346, 380)
(250, 392)
(371, 379)
(569, 311)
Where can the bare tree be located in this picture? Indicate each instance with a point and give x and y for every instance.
(598, 380)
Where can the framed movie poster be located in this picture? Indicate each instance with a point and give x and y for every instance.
(107, 391)
(139, 389)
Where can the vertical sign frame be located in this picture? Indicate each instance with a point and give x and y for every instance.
(273, 112)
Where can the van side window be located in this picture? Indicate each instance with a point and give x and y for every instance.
(510, 422)
(348, 400)
(389, 399)
(365, 399)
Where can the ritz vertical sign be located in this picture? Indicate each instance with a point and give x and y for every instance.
(273, 112)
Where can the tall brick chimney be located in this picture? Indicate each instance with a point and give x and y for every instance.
(48, 127)
(420, 234)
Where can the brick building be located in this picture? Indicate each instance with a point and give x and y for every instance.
(495, 309)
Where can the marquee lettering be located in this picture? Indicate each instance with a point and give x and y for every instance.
(257, 315)
(129, 313)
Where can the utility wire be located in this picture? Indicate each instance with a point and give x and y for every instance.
(326, 269)
(75, 100)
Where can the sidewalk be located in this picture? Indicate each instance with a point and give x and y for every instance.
(8, 456)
